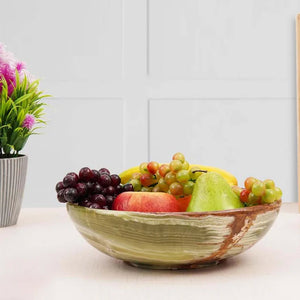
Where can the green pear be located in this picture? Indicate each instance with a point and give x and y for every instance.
(212, 192)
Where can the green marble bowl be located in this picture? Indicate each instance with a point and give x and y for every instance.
(173, 240)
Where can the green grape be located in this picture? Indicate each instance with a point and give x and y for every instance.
(269, 196)
(176, 189)
(185, 165)
(188, 188)
(244, 195)
(136, 175)
(147, 179)
(163, 186)
(183, 176)
(195, 173)
(152, 167)
(175, 165)
(170, 178)
(156, 189)
(136, 183)
(157, 176)
(237, 190)
(278, 193)
(269, 183)
(179, 156)
(253, 199)
(258, 188)
(146, 189)
(249, 182)
(143, 168)
(163, 169)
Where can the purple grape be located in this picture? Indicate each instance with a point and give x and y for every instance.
(104, 170)
(96, 175)
(105, 207)
(119, 189)
(110, 190)
(71, 195)
(104, 179)
(109, 201)
(70, 180)
(95, 205)
(100, 199)
(128, 187)
(74, 175)
(85, 174)
(60, 196)
(90, 186)
(97, 189)
(115, 179)
(59, 186)
(86, 203)
(104, 192)
(81, 189)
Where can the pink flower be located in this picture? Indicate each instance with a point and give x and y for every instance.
(20, 66)
(28, 121)
(8, 67)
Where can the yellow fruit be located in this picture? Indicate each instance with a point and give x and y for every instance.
(127, 174)
(228, 176)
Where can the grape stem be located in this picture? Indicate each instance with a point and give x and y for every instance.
(203, 171)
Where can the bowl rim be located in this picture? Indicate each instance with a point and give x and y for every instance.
(261, 208)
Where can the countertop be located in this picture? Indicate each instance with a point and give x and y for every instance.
(44, 257)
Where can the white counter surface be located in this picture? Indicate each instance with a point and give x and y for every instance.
(44, 257)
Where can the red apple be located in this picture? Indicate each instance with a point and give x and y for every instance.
(146, 202)
(184, 202)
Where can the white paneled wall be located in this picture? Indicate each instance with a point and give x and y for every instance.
(137, 80)
(221, 40)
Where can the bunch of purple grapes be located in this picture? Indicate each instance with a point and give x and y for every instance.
(91, 188)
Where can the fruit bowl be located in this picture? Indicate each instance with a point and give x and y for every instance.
(179, 240)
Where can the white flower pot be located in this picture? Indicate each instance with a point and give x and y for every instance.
(12, 182)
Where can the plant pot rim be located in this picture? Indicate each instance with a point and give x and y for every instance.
(20, 156)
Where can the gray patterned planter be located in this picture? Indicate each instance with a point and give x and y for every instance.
(12, 182)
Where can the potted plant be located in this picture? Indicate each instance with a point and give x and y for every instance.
(21, 111)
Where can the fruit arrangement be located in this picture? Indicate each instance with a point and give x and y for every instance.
(168, 187)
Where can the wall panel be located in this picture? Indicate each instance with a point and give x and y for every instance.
(71, 41)
(222, 40)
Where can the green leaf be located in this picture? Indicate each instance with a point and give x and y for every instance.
(7, 149)
(23, 98)
(3, 140)
(5, 126)
(20, 143)
(21, 116)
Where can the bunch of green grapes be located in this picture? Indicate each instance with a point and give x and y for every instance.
(176, 178)
(258, 192)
